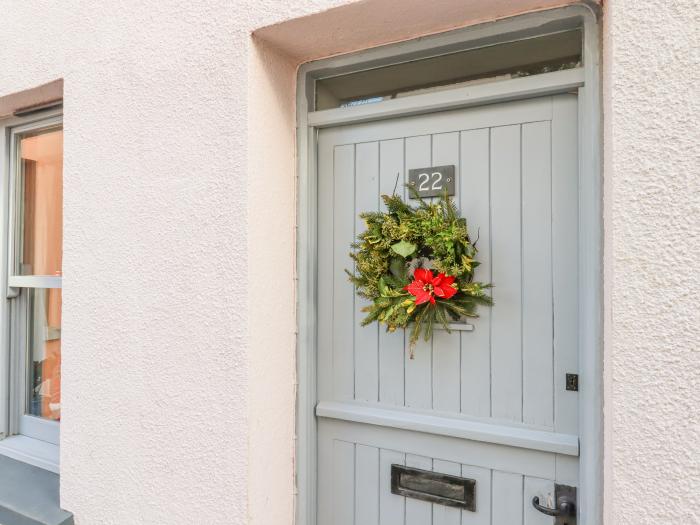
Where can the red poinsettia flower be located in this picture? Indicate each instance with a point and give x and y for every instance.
(426, 286)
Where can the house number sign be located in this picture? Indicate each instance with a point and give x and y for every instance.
(433, 181)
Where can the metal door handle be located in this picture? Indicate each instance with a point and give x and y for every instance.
(564, 507)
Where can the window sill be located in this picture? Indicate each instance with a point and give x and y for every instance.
(32, 451)
(29, 495)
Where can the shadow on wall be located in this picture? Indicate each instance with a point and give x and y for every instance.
(370, 23)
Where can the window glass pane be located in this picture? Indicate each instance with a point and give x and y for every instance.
(503, 61)
(41, 216)
(44, 351)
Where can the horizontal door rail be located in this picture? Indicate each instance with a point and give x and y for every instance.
(479, 94)
(445, 426)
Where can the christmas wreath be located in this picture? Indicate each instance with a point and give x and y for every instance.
(416, 266)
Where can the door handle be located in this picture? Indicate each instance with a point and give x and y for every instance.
(565, 510)
(564, 507)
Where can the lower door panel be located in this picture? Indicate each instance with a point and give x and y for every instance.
(355, 477)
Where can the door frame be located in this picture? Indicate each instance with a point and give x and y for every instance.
(586, 81)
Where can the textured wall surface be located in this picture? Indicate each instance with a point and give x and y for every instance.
(155, 332)
(653, 352)
(178, 330)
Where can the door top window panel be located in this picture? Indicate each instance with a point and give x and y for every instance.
(520, 58)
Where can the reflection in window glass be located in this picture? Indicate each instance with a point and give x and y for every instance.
(42, 203)
(39, 242)
(44, 344)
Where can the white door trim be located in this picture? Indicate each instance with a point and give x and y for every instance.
(587, 81)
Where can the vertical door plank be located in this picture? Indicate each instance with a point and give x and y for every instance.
(538, 359)
(391, 345)
(566, 470)
(343, 483)
(475, 199)
(446, 371)
(446, 346)
(366, 485)
(565, 258)
(418, 370)
(445, 152)
(343, 290)
(507, 504)
(392, 508)
(443, 515)
(482, 515)
(366, 337)
(506, 349)
(418, 512)
(326, 165)
(325, 475)
(543, 489)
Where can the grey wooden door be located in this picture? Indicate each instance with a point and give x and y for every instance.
(489, 404)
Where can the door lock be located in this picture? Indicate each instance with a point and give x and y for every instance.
(565, 511)
(572, 382)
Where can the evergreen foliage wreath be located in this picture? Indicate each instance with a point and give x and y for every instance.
(416, 266)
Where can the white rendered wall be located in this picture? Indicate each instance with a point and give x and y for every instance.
(653, 340)
(155, 314)
(178, 330)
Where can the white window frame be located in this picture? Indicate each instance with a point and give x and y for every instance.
(25, 437)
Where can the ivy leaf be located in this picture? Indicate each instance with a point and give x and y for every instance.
(382, 286)
(404, 248)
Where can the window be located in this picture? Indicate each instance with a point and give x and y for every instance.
(450, 68)
(34, 248)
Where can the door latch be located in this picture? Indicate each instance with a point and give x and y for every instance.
(565, 511)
